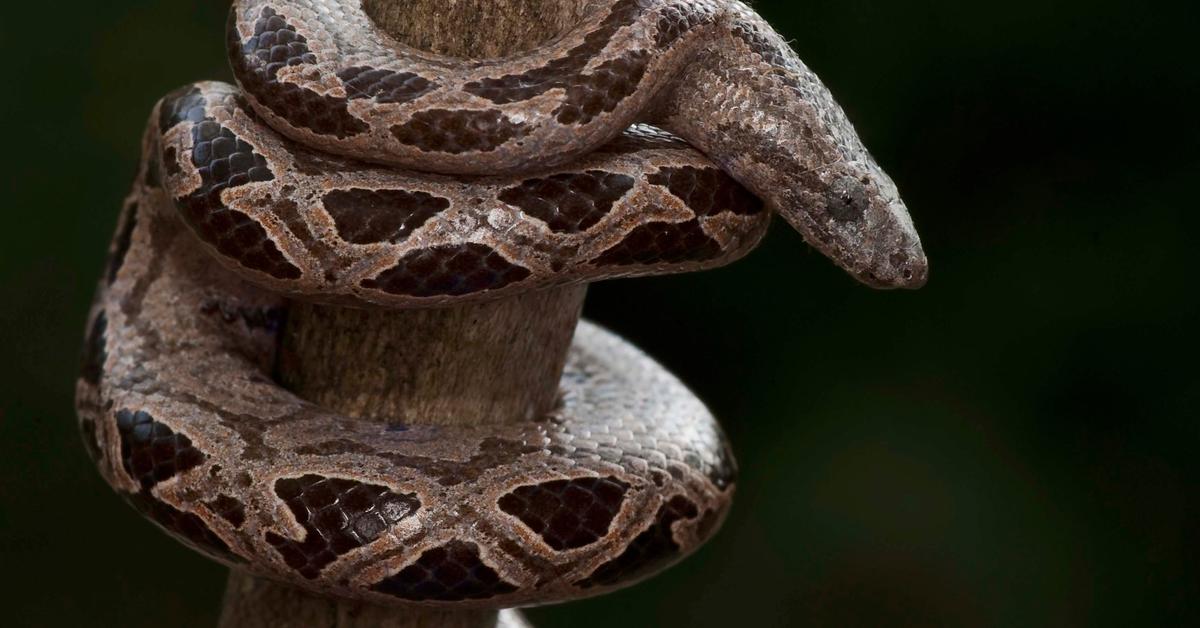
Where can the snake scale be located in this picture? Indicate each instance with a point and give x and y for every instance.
(350, 169)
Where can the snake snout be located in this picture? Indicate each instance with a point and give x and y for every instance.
(912, 270)
(897, 259)
(864, 227)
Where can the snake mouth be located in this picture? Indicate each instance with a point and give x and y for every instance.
(912, 276)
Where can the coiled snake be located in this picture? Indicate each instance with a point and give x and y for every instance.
(350, 169)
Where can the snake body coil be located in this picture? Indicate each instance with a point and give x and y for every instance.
(518, 174)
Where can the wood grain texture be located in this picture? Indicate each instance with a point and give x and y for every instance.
(497, 362)
(475, 28)
(252, 602)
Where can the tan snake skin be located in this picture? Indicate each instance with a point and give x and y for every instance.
(711, 71)
(630, 473)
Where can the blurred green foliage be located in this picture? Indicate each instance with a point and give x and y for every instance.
(1012, 446)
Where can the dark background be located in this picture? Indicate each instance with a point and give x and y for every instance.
(1014, 445)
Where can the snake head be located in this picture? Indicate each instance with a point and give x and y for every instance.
(853, 213)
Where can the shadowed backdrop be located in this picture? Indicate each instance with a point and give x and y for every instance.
(1014, 445)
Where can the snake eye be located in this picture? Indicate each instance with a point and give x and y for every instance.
(847, 199)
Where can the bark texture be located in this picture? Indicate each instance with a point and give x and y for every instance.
(478, 29)
(493, 363)
(497, 362)
(253, 602)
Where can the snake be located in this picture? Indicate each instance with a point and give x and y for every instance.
(347, 168)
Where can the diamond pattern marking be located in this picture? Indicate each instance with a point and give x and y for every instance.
(647, 552)
(567, 514)
(450, 573)
(151, 452)
(569, 202)
(337, 516)
(448, 270)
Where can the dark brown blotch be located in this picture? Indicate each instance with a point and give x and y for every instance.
(450, 573)
(567, 514)
(151, 452)
(384, 86)
(229, 509)
(337, 515)
(223, 160)
(456, 131)
(186, 526)
(661, 243)
(256, 63)
(557, 73)
(676, 21)
(707, 191)
(450, 270)
(277, 44)
(649, 551)
(603, 89)
(368, 216)
(569, 202)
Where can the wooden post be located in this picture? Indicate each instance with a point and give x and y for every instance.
(497, 362)
(494, 362)
(252, 602)
(479, 29)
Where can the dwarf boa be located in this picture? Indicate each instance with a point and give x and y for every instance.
(351, 169)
